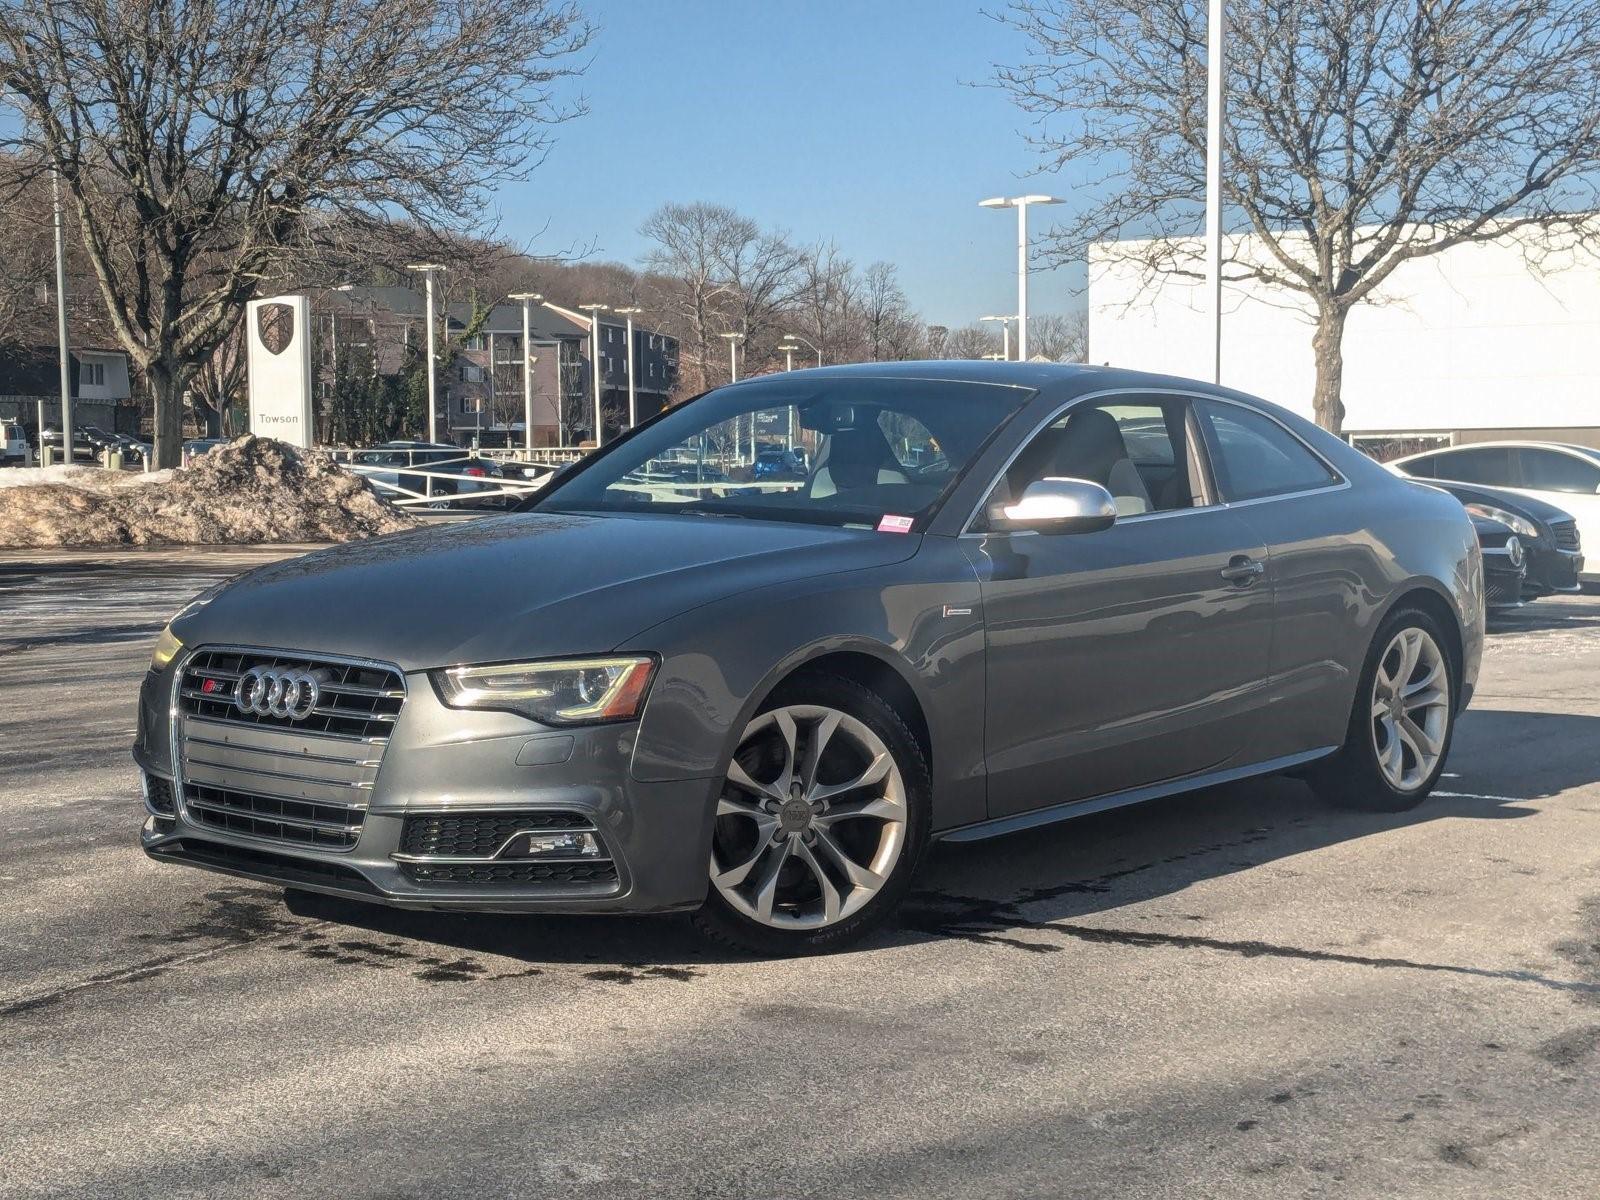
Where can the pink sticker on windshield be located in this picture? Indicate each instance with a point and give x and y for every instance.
(894, 524)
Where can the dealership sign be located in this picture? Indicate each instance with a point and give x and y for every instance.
(278, 333)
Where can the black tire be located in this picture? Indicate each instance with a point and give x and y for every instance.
(722, 923)
(1353, 778)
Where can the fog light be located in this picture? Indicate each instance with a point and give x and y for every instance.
(554, 845)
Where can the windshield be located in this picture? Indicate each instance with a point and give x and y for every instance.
(847, 451)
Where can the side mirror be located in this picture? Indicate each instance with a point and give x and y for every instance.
(1058, 506)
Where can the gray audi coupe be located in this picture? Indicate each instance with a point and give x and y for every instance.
(998, 595)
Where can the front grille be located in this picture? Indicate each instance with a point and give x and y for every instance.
(1503, 589)
(301, 782)
(1566, 534)
(513, 872)
(330, 826)
(477, 834)
(358, 700)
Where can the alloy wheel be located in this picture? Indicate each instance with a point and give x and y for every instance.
(1410, 709)
(811, 820)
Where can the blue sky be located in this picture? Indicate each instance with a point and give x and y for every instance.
(826, 118)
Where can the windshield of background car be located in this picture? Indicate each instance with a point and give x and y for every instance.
(871, 452)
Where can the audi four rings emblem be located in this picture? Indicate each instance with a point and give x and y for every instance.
(278, 692)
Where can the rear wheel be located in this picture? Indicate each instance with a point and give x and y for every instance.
(1402, 721)
(820, 823)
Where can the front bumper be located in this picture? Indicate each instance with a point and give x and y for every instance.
(441, 760)
(1552, 570)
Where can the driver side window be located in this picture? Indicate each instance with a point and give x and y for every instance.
(1138, 450)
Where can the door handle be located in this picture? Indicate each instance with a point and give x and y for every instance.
(1242, 570)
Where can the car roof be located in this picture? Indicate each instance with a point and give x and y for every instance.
(1569, 447)
(1078, 376)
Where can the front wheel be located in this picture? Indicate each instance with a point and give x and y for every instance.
(1402, 722)
(821, 820)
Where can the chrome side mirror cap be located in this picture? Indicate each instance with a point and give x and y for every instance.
(1059, 506)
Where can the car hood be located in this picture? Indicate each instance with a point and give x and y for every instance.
(519, 587)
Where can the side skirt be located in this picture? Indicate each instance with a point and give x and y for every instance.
(1153, 791)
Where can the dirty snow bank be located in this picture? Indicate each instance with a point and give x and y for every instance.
(95, 479)
(251, 490)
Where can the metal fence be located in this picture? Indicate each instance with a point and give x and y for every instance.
(474, 480)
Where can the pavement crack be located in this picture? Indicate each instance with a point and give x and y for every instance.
(985, 922)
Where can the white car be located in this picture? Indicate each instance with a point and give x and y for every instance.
(1558, 473)
(13, 445)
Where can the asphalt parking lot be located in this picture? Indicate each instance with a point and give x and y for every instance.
(1238, 993)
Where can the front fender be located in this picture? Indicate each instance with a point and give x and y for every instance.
(922, 617)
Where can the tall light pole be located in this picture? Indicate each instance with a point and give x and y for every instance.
(1020, 203)
(633, 402)
(733, 377)
(528, 299)
(61, 333)
(788, 356)
(795, 337)
(427, 270)
(1005, 329)
(1216, 80)
(594, 311)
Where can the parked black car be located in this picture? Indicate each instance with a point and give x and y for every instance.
(1505, 563)
(467, 473)
(1549, 535)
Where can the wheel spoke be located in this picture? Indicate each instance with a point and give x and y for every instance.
(858, 875)
(881, 807)
(732, 806)
(739, 872)
(740, 778)
(1380, 709)
(832, 902)
(767, 885)
(1393, 760)
(1426, 683)
(791, 738)
(819, 742)
(1421, 741)
(1410, 646)
(876, 771)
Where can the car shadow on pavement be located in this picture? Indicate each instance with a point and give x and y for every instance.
(997, 890)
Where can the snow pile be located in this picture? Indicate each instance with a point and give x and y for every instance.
(95, 479)
(251, 490)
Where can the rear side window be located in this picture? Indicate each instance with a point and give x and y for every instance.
(1426, 467)
(1477, 464)
(1553, 471)
(1254, 457)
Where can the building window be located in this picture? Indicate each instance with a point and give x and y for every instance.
(92, 374)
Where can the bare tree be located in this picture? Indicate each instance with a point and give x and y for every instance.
(1060, 337)
(971, 341)
(1361, 134)
(205, 144)
(825, 303)
(691, 288)
(219, 384)
(884, 309)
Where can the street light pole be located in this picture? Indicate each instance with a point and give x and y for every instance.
(795, 337)
(1005, 329)
(594, 311)
(1020, 203)
(733, 377)
(1216, 80)
(61, 333)
(633, 402)
(528, 299)
(427, 270)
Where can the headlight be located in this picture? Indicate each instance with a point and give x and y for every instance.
(1518, 524)
(577, 691)
(167, 647)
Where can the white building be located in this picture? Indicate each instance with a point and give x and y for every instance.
(1473, 343)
